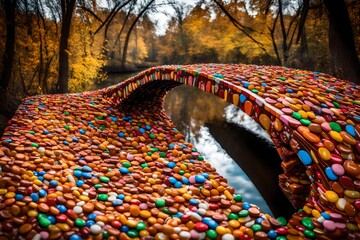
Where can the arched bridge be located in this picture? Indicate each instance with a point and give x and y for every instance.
(110, 164)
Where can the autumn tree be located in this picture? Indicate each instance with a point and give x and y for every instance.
(341, 41)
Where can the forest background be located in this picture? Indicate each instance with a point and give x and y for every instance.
(59, 46)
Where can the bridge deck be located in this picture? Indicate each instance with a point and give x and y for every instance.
(110, 164)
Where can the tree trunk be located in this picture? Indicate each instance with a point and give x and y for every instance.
(341, 41)
(10, 6)
(67, 8)
(126, 43)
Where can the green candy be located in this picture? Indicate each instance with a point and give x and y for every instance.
(162, 154)
(102, 127)
(34, 145)
(181, 172)
(152, 136)
(141, 226)
(282, 221)
(104, 179)
(32, 132)
(296, 115)
(243, 213)
(211, 233)
(67, 127)
(233, 216)
(307, 222)
(281, 238)
(305, 122)
(309, 234)
(200, 158)
(255, 90)
(66, 113)
(237, 198)
(256, 227)
(41, 215)
(336, 104)
(97, 186)
(105, 234)
(103, 197)
(44, 222)
(335, 126)
(132, 233)
(79, 222)
(166, 210)
(126, 164)
(159, 202)
(144, 165)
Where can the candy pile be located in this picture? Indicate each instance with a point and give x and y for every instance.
(109, 164)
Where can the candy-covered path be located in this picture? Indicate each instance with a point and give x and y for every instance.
(109, 164)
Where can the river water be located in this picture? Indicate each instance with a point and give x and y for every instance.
(231, 141)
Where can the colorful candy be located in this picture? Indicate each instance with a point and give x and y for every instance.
(110, 164)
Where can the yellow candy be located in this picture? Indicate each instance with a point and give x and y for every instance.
(37, 182)
(307, 210)
(228, 195)
(32, 213)
(220, 230)
(331, 196)
(336, 136)
(324, 153)
(63, 226)
(84, 198)
(145, 213)
(315, 213)
(265, 121)
(349, 194)
(10, 195)
(3, 191)
(234, 224)
(144, 233)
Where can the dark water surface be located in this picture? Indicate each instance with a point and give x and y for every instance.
(232, 142)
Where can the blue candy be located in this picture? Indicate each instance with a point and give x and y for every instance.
(210, 222)
(89, 223)
(194, 201)
(61, 208)
(117, 202)
(246, 205)
(18, 196)
(330, 174)
(91, 216)
(121, 134)
(178, 184)
(52, 219)
(124, 228)
(75, 237)
(350, 130)
(124, 170)
(53, 183)
(172, 180)
(78, 173)
(79, 183)
(171, 164)
(34, 197)
(200, 178)
(305, 157)
(42, 193)
(87, 169)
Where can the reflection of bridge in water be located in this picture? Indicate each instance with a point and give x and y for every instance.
(110, 164)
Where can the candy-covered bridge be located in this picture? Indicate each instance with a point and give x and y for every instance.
(109, 164)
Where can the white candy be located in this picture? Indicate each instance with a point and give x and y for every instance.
(78, 209)
(184, 235)
(227, 236)
(95, 229)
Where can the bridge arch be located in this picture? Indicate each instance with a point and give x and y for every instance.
(312, 118)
